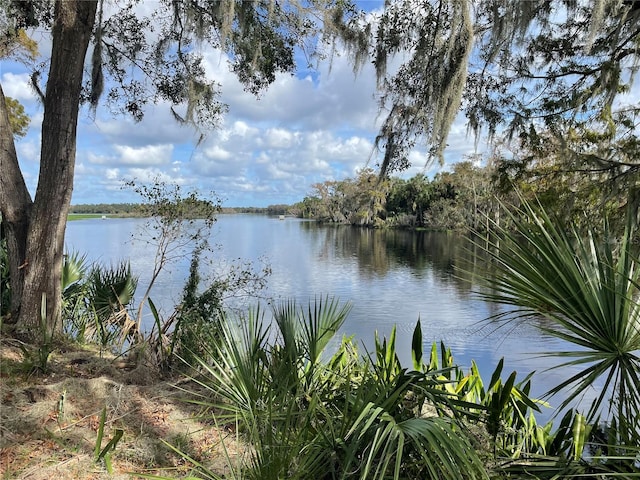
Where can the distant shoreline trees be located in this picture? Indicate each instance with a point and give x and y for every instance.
(137, 210)
(470, 197)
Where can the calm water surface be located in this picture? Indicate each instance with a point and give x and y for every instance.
(390, 277)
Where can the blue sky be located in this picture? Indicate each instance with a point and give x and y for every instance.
(303, 130)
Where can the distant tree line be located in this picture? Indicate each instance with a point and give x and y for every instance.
(471, 196)
(124, 209)
(454, 200)
(278, 209)
(138, 210)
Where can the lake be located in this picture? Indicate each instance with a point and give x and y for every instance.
(390, 277)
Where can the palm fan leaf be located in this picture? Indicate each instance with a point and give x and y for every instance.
(588, 291)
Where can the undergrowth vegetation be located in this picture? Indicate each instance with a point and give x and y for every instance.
(308, 404)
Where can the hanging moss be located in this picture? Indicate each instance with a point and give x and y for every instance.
(512, 63)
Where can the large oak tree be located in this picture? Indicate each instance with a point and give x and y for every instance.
(137, 57)
(515, 68)
(35, 229)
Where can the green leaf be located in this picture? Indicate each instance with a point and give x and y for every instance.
(112, 443)
(495, 377)
(580, 430)
(416, 346)
(98, 445)
(586, 287)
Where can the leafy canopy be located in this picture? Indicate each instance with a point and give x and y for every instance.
(154, 52)
(520, 66)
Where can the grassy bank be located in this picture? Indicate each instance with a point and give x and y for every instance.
(86, 216)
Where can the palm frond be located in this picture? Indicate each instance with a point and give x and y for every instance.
(308, 416)
(74, 269)
(587, 287)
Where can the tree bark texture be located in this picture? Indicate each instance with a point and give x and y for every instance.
(40, 269)
(16, 207)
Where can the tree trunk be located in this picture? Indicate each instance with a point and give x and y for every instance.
(16, 207)
(42, 266)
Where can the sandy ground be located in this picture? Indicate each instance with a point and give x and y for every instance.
(49, 422)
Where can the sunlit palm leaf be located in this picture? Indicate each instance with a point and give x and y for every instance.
(588, 290)
(436, 447)
(110, 290)
(74, 268)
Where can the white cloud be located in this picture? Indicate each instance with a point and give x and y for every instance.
(147, 156)
(151, 175)
(28, 150)
(241, 129)
(112, 174)
(336, 99)
(279, 138)
(304, 129)
(18, 86)
(215, 152)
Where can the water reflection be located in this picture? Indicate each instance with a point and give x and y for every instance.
(391, 277)
(451, 257)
